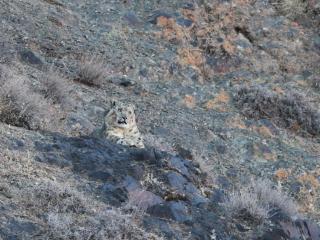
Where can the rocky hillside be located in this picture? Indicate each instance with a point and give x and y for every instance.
(227, 98)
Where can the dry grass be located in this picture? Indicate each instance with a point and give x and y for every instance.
(293, 8)
(70, 214)
(92, 71)
(56, 88)
(258, 200)
(289, 111)
(59, 209)
(19, 105)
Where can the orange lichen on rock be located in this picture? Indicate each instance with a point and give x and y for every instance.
(282, 174)
(236, 122)
(228, 47)
(163, 21)
(171, 30)
(188, 56)
(190, 14)
(264, 131)
(219, 102)
(189, 101)
(309, 179)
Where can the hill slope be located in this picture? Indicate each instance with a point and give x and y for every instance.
(227, 98)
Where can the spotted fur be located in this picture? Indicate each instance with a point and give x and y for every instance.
(121, 126)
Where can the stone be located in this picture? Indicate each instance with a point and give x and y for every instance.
(79, 124)
(144, 199)
(184, 22)
(217, 196)
(132, 19)
(131, 184)
(101, 176)
(29, 56)
(126, 82)
(189, 6)
(170, 210)
(113, 194)
(288, 230)
(152, 224)
(179, 183)
(184, 153)
(16, 229)
(178, 164)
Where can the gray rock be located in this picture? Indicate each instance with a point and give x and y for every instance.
(178, 164)
(184, 22)
(29, 56)
(171, 210)
(132, 19)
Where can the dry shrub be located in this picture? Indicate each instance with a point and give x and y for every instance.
(56, 88)
(92, 71)
(287, 111)
(293, 8)
(61, 211)
(70, 214)
(19, 105)
(258, 200)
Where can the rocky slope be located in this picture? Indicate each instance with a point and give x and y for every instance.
(225, 92)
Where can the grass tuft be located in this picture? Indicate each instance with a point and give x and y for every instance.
(288, 110)
(19, 105)
(258, 201)
(92, 72)
(59, 209)
(293, 8)
(56, 88)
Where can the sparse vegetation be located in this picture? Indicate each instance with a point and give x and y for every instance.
(179, 62)
(62, 211)
(257, 201)
(92, 71)
(72, 215)
(56, 88)
(289, 111)
(19, 105)
(293, 8)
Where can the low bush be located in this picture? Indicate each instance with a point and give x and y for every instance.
(293, 8)
(19, 105)
(258, 201)
(71, 215)
(92, 71)
(289, 111)
(56, 88)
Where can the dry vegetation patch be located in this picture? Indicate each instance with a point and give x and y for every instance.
(258, 201)
(19, 105)
(58, 208)
(293, 8)
(291, 111)
(56, 88)
(92, 71)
